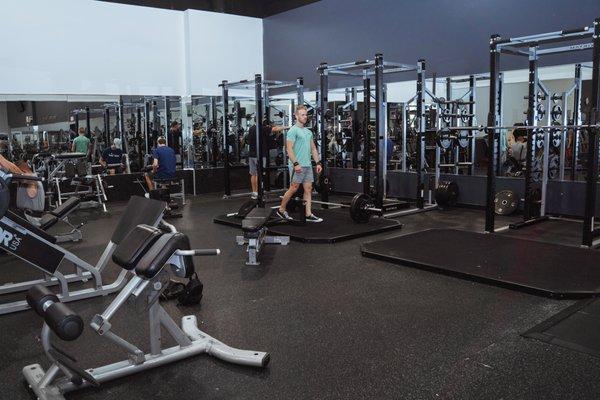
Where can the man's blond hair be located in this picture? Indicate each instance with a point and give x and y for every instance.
(301, 107)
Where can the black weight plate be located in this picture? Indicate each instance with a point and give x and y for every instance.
(505, 202)
(358, 208)
(446, 194)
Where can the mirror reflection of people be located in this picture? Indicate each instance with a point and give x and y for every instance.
(112, 156)
(518, 146)
(267, 131)
(174, 137)
(163, 164)
(81, 144)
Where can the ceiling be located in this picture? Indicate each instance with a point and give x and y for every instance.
(250, 8)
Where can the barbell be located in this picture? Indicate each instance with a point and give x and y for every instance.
(361, 207)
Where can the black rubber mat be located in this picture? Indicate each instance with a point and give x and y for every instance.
(536, 267)
(576, 328)
(337, 226)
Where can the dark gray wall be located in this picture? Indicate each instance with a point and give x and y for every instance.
(452, 35)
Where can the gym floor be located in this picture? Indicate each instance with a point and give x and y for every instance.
(338, 326)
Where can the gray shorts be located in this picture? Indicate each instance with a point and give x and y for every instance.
(306, 176)
(253, 165)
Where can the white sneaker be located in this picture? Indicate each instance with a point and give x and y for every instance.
(283, 215)
(313, 218)
(147, 195)
(254, 195)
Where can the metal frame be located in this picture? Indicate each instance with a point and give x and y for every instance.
(532, 43)
(190, 340)
(367, 69)
(84, 272)
(255, 242)
(262, 89)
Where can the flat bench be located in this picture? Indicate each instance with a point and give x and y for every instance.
(254, 228)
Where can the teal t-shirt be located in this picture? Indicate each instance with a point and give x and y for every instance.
(82, 144)
(302, 139)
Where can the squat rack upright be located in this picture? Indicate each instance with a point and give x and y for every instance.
(532, 51)
(262, 88)
(375, 68)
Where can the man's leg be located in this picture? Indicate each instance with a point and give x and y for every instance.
(149, 182)
(288, 195)
(253, 169)
(308, 197)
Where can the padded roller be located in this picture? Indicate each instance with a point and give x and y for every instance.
(63, 321)
(38, 295)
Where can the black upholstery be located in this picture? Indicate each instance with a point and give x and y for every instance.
(156, 258)
(4, 197)
(66, 208)
(140, 210)
(131, 250)
(47, 221)
(32, 228)
(257, 219)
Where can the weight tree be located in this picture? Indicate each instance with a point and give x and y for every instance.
(531, 48)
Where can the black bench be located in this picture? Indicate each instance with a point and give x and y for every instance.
(60, 213)
(254, 227)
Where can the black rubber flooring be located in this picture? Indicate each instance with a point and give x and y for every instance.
(527, 265)
(338, 325)
(337, 226)
(576, 328)
(569, 232)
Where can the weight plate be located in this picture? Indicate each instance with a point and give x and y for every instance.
(463, 139)
(358, 208)
(446, 194)
(444, 138)
(505, 202)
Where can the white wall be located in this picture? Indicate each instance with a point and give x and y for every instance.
(221, 47)
(89, 47)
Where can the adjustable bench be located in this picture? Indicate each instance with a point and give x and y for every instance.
(254, 228)
(60, 213)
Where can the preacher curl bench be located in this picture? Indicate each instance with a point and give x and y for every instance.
(153, 255)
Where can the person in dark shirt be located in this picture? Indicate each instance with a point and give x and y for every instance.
(163, 165)
(389, 149)
(174, 137)
(267, 131)
(113, 156)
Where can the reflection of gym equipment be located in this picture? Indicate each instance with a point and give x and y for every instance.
(73, 169)
(153, 257)
(39, 249)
